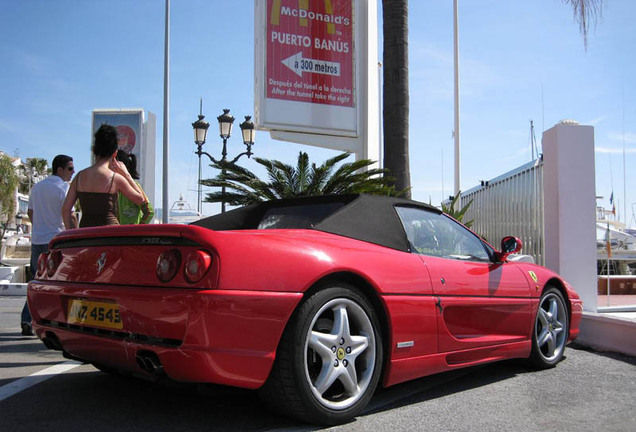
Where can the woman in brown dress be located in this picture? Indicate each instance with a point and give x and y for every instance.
(97, 186)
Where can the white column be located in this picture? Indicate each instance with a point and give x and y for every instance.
(368, 79)
(149, 159)
(569, 207)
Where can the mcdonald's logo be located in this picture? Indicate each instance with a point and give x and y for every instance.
(305, 15)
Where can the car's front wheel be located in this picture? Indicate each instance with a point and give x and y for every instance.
(329, 359)
(551, 330)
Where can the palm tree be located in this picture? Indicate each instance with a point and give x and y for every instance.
(395, 96)
(396, 80)
(8, 185)
(285, 181)
(33, 170)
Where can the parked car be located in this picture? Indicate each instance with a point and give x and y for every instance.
(314, 301)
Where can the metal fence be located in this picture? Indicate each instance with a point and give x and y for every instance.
(511, 204)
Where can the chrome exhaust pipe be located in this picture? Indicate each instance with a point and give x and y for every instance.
(52, 342)
(149, 362)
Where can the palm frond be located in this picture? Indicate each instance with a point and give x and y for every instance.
(243, 187)
(586, 12)
(458, 215)
(302, 173)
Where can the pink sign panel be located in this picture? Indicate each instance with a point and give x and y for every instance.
(309, 47)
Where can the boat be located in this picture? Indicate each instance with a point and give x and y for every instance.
(16, 250)
(15, 256)
(182, 212)
(616, 255)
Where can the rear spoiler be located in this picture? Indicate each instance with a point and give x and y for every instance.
(151, 234)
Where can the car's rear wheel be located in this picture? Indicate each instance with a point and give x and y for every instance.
(551, 328)
(329, 359)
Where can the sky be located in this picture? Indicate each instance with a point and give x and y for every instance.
(519, 61)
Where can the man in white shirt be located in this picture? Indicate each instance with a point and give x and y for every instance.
(45, 214)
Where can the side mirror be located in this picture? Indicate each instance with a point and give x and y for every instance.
(509, 245)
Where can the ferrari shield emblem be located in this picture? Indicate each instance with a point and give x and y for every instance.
(101, 262)
(533, 276)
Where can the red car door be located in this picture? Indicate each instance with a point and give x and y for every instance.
(479, 302)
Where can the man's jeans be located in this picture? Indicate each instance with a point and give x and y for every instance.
(36, 250)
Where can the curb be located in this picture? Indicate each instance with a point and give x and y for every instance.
(13, 289)
(604, 333)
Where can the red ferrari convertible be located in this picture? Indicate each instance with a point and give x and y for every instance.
(314, 301)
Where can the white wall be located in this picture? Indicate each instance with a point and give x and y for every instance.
(569, 207)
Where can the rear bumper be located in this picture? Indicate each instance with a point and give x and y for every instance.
(212, 336)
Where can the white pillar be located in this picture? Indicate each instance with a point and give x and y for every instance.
(570, 207)
(149, 160)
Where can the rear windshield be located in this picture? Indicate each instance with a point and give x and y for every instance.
(297, 217)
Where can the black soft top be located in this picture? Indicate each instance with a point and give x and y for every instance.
(369, 218)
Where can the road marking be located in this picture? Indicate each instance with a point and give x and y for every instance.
(17, 386)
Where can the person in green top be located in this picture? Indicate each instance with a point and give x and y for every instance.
(130, 213)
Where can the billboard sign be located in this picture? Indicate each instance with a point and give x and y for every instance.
(310, 51)
(305, 66)
(134, 136)
(128, 124)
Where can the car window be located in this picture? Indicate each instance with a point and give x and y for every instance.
(434, 234)
(297, 217)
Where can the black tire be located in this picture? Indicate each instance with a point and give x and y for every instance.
(329, 359)
(550, 331)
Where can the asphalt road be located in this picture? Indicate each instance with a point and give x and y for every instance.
(586, 392)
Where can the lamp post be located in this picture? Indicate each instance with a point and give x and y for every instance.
(200, 132)
(225, 131)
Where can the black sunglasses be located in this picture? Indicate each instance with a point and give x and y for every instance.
(70, 168)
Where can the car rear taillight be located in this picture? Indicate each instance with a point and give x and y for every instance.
(196, 265)
(42, 263)
(168, 265)
(53, 261)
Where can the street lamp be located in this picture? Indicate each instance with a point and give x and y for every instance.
(225, 131)
(200, 132)
(249, 133)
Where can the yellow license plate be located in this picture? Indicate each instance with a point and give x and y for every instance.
(93, 313)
